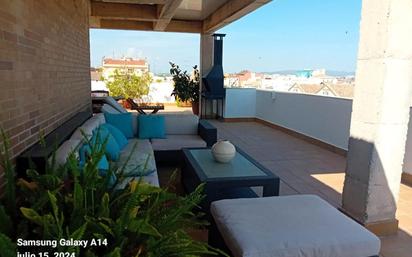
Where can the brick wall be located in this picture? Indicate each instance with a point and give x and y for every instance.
(44, 66)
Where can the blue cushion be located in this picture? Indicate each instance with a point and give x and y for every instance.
(103, 164)
(112, 148)
(112, 179)
(84, 151)
(117, 134)
(122, 121)
(151, 126)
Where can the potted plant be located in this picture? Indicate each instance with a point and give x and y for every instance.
(186, 87)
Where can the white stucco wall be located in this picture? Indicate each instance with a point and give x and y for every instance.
(324, 118)
(240, 103)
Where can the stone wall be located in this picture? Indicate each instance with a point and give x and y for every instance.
(44, 66)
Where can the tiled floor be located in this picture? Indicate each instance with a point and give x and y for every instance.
(307, 168)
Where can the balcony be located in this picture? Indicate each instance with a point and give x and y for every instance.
(45, 82)
(303, 139)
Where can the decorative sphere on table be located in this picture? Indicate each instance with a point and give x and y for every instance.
(223, 151)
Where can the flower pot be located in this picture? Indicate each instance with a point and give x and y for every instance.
(126, 104)
(184, 104)
(223, 151)
(195, 108)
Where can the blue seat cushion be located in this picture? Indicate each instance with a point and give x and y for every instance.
(122, 121)
(85, 151)
(151, 126)
(117, 134)
(103, 164)
(102, 135)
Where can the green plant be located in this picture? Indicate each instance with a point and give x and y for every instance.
(8, 206)
(72, 202)
(186, 87)
(128, 84)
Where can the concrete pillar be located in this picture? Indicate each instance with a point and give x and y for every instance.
(380, 114)
(206, 59)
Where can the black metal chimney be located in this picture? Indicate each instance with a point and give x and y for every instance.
(214, 79)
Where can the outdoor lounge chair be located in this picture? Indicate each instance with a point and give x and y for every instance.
(114, 104)
(141, 108)
(286, 226)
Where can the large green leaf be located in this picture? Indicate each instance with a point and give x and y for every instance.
(115, 253)
(7, 247)
(143, 227)
(32, 215)
(104, 210)
(78, 197)
(6, 225)
(78, 233)
(58, 217)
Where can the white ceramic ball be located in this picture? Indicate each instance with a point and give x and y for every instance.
(223, 151)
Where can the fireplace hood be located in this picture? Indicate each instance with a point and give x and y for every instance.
(213, 81)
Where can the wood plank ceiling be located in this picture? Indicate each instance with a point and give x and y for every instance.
(159, 15)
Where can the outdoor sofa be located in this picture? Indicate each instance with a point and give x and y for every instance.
(182, 130)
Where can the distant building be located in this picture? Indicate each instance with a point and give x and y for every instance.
(304, 73)
(95, 74)
(323, 89)
(130, 65)
(244, 78)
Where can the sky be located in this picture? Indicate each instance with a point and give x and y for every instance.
(282, 35)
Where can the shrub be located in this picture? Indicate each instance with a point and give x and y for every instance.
(128, 84)
(71, 202)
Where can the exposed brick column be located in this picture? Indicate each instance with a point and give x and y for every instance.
(380, 114)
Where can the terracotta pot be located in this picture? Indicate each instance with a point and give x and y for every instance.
(195, 108)
(126, 104)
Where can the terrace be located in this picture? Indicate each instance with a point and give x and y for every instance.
(45, 80)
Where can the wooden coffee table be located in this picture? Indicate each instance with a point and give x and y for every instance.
(226, 180)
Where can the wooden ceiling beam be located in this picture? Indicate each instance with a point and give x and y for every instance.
(134, 1)
(184, 26)
(229, 12)
(166, 13)
(142, 12)
(126, 24)
(174, 25)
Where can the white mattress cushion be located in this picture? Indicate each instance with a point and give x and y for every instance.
(110, 101)
(177, 142)
(151, 179)
(63, 152)
(100, 117)
(142, 153)
(291, 226)
(87, 128)
(109, 109)
(181, 124)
